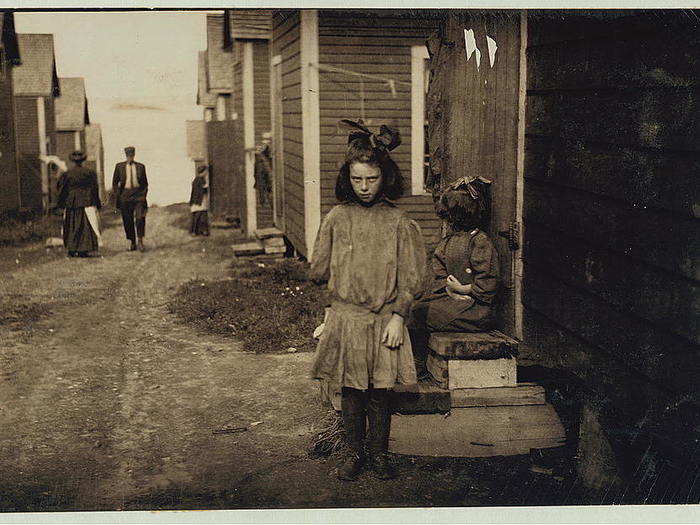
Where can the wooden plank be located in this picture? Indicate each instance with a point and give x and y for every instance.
(522, 394)
(478, 345)
(627, 285)
(616, 172)
(654, 237)
(644, 347)
(477, 432)
(248, 248)
(267, 233)
(481, 373)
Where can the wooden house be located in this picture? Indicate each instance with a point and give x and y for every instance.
(94, 148)
(247, 34)
(332, 64)
(595, 198)
(196, 142)
(204, 98)
(35, 85)
(9, 168)
(72, 118)
(223, 134)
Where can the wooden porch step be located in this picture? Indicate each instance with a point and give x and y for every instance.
(477, 432)
(268, 233)
(427, 398)
(473, 345)
(248, 248)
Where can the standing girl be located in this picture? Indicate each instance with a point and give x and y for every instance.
(373, 258)
(199, 203)
(79, 194)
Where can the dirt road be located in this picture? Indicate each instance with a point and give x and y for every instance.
(107, 402)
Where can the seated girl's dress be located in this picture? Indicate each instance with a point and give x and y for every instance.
(374, 261)
(471, 258)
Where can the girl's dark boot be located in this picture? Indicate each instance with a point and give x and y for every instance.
(379, 416)
(354, 413)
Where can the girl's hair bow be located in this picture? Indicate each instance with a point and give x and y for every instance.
(387, 139)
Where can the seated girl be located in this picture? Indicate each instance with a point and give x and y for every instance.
(465, 267)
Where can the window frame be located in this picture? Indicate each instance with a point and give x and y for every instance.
(419, 57)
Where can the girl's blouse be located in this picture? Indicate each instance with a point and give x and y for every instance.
(370, 256)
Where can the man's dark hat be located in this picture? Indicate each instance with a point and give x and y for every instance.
(129, 149)
(387, 139)
(202, 169)
(78, 156)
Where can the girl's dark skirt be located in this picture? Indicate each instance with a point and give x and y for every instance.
(78, 235)
(200, 223)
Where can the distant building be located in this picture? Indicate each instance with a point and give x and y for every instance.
(96, 155)
(71, 120)
(196, 142)
(9, 168)
(247, 35)
(35, 85)
(204, 98)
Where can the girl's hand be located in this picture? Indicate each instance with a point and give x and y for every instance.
(393, 333)
(455, 286)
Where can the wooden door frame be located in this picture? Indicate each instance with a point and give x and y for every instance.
(277, 121)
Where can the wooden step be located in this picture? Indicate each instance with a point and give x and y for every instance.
(474, 345)
(248, 248)
(472, 373)
(267, 233)
(477, 432)
(522, 394)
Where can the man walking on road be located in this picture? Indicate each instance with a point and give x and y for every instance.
(129, 187)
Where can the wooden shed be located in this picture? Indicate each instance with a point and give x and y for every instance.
(94, 148)
(204, 98)
(333, 64)
(196, 142)
(72, 118)
(9, 168)
(596, 191)
(35, 85)
(223, 133)
(247, 35)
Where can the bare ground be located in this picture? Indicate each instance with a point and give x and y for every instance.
(107, 402)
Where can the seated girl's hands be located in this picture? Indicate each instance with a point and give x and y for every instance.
(453, 285)
(393, 333)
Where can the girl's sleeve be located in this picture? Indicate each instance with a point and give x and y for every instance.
(411, 267)
(321, 258)
(439, 269)
(484, 263)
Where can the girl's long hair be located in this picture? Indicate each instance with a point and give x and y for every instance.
(360, 150)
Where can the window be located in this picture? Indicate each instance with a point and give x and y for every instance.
(420, 155)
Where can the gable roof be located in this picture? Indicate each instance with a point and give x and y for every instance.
(195, 139)
(8, 37)
(241, 24)
(204, 98)
(93, 141)
(36, 76)
(71, 106)
(219, 60)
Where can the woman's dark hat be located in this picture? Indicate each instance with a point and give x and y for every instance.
(78, 156)
(202, 169)
(387, 139)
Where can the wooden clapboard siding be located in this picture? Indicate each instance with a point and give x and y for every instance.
(226, 172)
(9, 172)
(286, 42)
(612, 237)
(261, 70)
(387, 54)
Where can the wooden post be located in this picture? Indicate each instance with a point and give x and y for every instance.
(474, 104)
(41, 114)
(249, 139)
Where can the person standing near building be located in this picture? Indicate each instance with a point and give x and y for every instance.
(199, 203)
(78, 194)
(130, 187)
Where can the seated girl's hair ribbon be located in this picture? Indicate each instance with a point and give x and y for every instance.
(387, 139)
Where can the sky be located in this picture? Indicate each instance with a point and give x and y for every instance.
(140, 70)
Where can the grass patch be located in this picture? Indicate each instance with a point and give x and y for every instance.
(270, 307)
(22, 315)
(19, 230)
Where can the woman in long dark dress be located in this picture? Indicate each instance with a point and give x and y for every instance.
(199, 203)
(79, 195)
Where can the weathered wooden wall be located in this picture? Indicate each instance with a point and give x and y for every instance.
(9, 176)
(612, 237)
(26, 119)
(376, 43)
(226, 170)
(286, 35)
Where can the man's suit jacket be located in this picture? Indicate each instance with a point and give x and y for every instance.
(122, 194)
